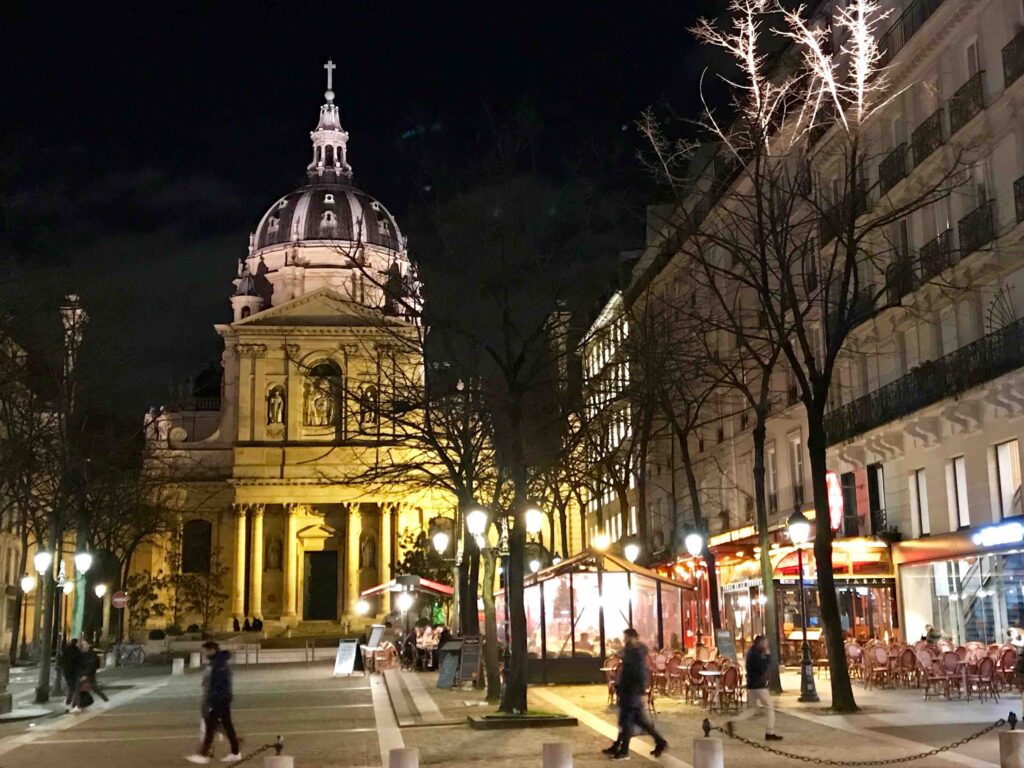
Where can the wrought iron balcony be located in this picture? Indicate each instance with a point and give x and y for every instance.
(968, 101)
(978, 227)
(927, 137)
(987, 358)
(1013, 59)
(1018, 198)
(893, 168)
(909, 22)
(899, 278)
(936, 255)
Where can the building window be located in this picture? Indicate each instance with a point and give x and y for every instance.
(796, 462)
(196, 544)
(328, 198)
(1008, 478)
(919, 502)
(956, 492)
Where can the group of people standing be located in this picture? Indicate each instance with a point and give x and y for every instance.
(79, 664)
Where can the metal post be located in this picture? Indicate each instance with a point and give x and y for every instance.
(808, 691)
(700, 604)
(24, 625)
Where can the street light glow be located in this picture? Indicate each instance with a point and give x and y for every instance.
(440, 542)
(476, 522)
(28, 583)
(694, 543)
(404, 601)
(362, 607)
(69, 587)
(534, 521)
(799, 528)
(42, 561)
(83, 562)
(631, 551)
(535, 565)
(100, 590)
(602, 541)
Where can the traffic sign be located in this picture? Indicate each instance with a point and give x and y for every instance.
(119, 600)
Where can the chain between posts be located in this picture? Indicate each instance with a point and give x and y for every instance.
(277, 745)
(1011, 719)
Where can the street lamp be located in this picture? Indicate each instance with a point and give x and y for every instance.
(694, 543)
(42, 561)
(534, 566)
(100, 590)
(28, 583)
(440, 540)
(68, 588)
(534, 521)
(476, 522)
(631, 551)
(83, 562)
(362, 607)
(404, 603)
(601, 542)
(799, 532)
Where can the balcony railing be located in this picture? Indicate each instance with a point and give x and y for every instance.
(893, 168)
(987, 358)
(927, 137)
(201, 404)
(911, 20)
(1018, 198)
(968, 101)
(978, 227)
(936, 255)
(1013, 59)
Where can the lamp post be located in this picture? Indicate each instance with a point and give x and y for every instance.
(404, 603)
(69, 587)
(100, 590)
(28, 583)
(799, 532)
(694, 543)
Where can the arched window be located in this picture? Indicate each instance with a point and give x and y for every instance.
(273, 224)
(196, 545)
(327, 219)
(328, 198)
(323, 391)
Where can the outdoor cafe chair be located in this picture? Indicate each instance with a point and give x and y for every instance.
(703, 653)
(611, 675)
(729, 693)
(982, 682)
(673, 675)
(1006, 666)
(952, 668)
(878, 671)
(659, 676)
(855, 660)
(694, 681)
(906, 668)
(934, 678)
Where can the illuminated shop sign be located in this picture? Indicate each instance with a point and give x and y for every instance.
(995, 535)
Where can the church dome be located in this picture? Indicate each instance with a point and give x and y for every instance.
(325, 211)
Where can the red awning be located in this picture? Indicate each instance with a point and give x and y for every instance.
(410, 584)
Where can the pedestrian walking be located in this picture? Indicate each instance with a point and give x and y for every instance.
(759, 664)
(70, 662)
(630, 690)
(90, 666)
(217, 706)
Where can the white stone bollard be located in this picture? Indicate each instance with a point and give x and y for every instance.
(111, 660)
(195, 660)
(279, 761)
(1011, 749)
(707, 753)
(557, 754)
(177, 666)
(406, 757)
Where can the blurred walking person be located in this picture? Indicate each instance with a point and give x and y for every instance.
(217, 706)
(758, 665)
(630, 690)
(70, 662)
(90, 666)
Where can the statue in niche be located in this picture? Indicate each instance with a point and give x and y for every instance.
(367, 403)
(272, 556)
(275, 406)
(319, 406)
(367, 552)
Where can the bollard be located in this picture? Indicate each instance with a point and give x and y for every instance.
(279, 761)
(111, 660)
(195, 660)
(177, 666)
(707, 752)
(557, 754)
(406, 757)
(1011, 749)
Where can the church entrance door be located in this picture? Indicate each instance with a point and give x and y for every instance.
(321, 593)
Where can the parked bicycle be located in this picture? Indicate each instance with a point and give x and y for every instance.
(128, 654)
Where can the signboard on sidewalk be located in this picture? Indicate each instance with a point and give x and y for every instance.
(469, 660)
(119, 599)
(345, 661)
(725, 643)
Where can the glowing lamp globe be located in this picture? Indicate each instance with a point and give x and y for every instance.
(476, 522)
(404, 601)
(100, 590)
(534, 521)
(83, 562)
(799, 528)
(631, 551)
(602, 541)
(440, 542)
(69, 587)
(535, 565)
(694, 543)
(28, 583)
(42, 562)
(362, 607)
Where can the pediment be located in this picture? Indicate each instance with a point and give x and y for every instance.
(322, 307)
(316, 532)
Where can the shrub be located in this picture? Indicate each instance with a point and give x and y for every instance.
(157, 634)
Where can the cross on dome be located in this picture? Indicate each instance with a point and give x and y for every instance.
(330, 140)
(330, 66)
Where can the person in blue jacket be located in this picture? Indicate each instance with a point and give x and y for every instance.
(217, 705)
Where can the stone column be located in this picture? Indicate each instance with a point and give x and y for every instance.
(355, 528)
(386, 517)
(238, 599)
(291, 546)
(256, 573)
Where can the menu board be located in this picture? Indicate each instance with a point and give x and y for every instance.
(469, 660)
(376, 635)
(345, 661)
(726, 643)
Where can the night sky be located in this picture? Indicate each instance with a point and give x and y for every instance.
(140, 143)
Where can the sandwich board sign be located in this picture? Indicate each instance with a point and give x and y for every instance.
(345, 661)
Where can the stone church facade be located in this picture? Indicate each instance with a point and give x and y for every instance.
(268, 459)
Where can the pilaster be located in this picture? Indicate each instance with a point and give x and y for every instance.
(256, 573)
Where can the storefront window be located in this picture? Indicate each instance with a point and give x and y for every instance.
(558, 617)
(865, 612)
(644, 600)
(587, 602)
(671, 617)
(531, 601)
(615, 599)
(968, 599)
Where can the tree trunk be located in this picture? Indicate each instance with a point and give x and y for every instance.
(492, 666)
(514, 700)
(842, 691)
(563, 524)
(19, 604)
(47, 584)
(471, 625)
(771, 622)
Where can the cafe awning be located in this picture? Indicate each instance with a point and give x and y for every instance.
(410, 584)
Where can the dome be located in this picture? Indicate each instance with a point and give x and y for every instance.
(324, 212)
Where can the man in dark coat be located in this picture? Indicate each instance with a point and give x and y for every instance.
(70, 662)
(759, 665)
(219, 694)
(630, 690)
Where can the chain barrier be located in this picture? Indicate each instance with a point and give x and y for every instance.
(1012, 719)
(277, 745)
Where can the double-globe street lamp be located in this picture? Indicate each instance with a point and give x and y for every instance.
(43, 563)
(799, 528)
(694, 543)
